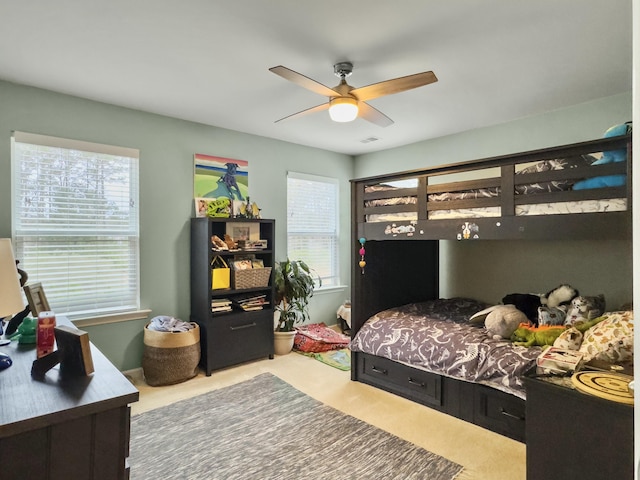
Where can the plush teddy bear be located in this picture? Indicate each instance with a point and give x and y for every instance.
(502, 321)
(610, 156)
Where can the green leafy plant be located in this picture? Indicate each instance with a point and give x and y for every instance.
(294, 284)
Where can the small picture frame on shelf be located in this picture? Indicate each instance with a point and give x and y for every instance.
(243, 231)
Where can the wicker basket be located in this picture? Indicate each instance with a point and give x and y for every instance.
(251, 278)
(170, 357)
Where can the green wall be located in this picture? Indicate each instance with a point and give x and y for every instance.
(167, 146)
(488, 270)
(166, 149)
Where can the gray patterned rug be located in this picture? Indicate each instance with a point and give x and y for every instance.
(264, 429)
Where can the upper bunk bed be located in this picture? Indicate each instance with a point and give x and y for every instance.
(568, 192)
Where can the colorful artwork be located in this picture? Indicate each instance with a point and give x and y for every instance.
(216, 177)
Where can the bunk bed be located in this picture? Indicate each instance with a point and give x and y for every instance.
(577, 191)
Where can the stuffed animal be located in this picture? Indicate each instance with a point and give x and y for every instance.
(525, 302)
(561, 295)
(503, 320)
(26, 332)
(610, 156)
(585, 308)
(529, 336)
(551, 315)
(529, 303)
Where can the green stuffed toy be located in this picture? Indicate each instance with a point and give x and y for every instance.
(584, 326)
(26, 332)
(529, 336)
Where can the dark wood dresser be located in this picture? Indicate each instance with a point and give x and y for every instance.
(576, 436)
(63, 428)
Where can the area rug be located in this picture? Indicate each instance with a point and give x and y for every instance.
(265, 429)
(340, 359)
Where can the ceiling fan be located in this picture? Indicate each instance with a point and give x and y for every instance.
(346, 102)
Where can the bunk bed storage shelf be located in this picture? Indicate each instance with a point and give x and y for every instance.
(402, 216)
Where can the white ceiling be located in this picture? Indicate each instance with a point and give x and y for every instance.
(207, 60)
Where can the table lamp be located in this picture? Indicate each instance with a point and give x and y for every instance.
(11, 301)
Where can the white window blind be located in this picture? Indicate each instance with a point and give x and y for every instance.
(75, 223)
(312, 224)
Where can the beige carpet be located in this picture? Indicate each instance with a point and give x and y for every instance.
(484, 455)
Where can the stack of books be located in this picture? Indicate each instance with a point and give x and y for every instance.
(250, 302)
(220, 305)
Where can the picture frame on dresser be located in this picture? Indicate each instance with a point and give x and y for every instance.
(37, 299)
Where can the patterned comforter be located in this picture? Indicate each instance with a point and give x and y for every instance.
(436, 336)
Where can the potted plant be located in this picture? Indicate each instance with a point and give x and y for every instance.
(294, 283)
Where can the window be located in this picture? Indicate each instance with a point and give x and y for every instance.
(312, 224)
(75, 223)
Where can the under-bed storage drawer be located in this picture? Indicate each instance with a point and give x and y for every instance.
(417, 385)
(499, 412)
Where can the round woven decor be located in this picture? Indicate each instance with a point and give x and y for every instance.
(611, 386)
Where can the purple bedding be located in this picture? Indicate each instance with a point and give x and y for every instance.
(436, 336)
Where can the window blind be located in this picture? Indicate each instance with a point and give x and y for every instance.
(312, 224)
(75, 223)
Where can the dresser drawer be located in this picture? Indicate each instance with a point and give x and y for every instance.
(417, 385)
(500, 412)
(239, 337)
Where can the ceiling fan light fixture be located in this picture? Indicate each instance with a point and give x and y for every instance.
(343, 109)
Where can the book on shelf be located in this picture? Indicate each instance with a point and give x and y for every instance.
(251, 302)
(217, 302)
(559, 360)
(219, 305)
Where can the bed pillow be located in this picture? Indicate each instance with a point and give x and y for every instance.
(553, 164)
(610, 340)
(456, 309)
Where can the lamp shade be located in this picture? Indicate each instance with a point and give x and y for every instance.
(10, 297)
(343, 109)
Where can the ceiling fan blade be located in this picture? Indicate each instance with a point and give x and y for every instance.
(395, 85)
(317, 108)
(373, 115)
(303, 81)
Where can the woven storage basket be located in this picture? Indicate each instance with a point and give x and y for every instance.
(251, 278)
(170, 357)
